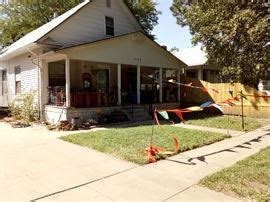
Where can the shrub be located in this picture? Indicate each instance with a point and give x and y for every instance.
(24, 107)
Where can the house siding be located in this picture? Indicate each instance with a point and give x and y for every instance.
(89, 24)
(28, 77)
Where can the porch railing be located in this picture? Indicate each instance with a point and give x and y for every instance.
(83, 99)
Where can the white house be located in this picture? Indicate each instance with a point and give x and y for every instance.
(95, 56)
(264, 85)
(196, 60)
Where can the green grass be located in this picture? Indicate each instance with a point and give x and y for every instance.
(221, 121)
(129, 143)
(249, 178)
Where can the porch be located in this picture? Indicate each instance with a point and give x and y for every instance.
(78, 88)
(87, 84)
(140, 112)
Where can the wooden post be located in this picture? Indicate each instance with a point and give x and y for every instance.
(119, 95)
(242, 107)
(138, 84)
(160, 85)
(178, 88)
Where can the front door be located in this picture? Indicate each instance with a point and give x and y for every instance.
(129, 85)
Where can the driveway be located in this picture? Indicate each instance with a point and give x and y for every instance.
(34, 163)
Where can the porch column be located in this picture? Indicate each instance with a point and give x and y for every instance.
(160, 85)
(119, 84)
(200, 74)
(209, 78)
(178, 88)
(68, 104)
(1, 83)
(138, 84)
(44, 82)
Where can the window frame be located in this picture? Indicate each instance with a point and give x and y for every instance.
(18, 87)
(4, 75)
(18, 80)
(109, 26)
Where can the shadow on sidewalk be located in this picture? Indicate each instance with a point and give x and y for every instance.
(203, 157)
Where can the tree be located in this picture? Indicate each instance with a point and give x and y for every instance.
(22, 16)
(146, 13)
(234, 33)
(174, 49)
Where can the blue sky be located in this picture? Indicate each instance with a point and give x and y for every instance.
(167, 31)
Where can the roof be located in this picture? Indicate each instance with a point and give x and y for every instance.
(38, 33)
(30, 39)
(192, 56)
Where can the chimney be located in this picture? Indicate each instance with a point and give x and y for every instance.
(164, 47)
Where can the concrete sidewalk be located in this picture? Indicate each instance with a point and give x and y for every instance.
(35, 165)
(174, 179)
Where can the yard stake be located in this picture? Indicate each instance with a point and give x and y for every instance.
(153, 125)
(242, 107)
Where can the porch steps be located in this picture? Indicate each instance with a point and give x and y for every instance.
(137, 113)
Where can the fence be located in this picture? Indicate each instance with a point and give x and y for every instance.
(254, 106)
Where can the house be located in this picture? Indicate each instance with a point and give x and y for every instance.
(94, 57)
(196, 59)
(264, 85)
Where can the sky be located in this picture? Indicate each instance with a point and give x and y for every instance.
(169, 33)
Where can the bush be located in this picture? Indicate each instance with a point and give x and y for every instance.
(24, 107)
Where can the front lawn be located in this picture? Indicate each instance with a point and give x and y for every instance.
(129, 143)
(221, 121)
(249, 178)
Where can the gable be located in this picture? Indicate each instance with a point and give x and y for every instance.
(89, 24)
(75, 27)
(132, 49)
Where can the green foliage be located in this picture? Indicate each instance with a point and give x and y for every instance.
(146, 13)
(235, 35)
(22, 16)
(23, 107)
(129, 143)
(225, 122)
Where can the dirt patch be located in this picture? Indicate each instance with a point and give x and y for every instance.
(3, 113)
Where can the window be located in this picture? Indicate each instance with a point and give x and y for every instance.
(109, 26)
(4, 75)
(109, 3)
(18, 80)
(18, 87)
(17, 70)
(4, 82)
(103, 79)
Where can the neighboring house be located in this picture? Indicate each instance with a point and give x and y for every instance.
(196, 60)
(3, 1)
(94, 55)
(264, 85)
